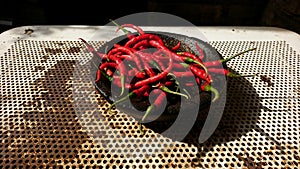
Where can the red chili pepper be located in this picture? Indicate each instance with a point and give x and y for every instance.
(121, 49)
(92, 49)
(123, 57)
(201, 53)
(169, 83)
(157, 103)
(198, 80)
(176, 47)
(200, 73)
(190, 55)
(107, 64)
(143, 44)
(109, 72)
(98, 76)
(140, 75)
(138, 29)
(143, 37)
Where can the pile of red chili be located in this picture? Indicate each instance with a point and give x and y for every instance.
(144, 63)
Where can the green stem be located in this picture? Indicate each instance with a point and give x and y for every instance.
(184, 89)
(166, 89)
(120, 100)
(185, 65)
(152, 62)
(238, 54)
(213, 90)
(149, 109)
(141, 129)
(123, 84)
(230, 74)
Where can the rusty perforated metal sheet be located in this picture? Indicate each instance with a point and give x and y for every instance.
(52, 116)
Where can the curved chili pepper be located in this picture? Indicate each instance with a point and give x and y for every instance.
(143, 43)
(200, 73)
(176, 47)
(98, 77)
(119, 48)
(201, 53)
(157, 103)
(124, 56)
(107, 64)
(101, 67)
(190, 55)
(143, 37)
(92, 49)
(132, 26)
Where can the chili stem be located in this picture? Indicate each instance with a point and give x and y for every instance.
(119, 101)
(238, 54)
(122, 84)
(188, 94)
(167, 90)
(141, 130)
(149, 109)
(213, 90)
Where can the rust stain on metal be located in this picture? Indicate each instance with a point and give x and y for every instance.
(267, 80)
(53, 51)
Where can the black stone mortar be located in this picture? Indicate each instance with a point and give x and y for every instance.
(137, 107)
